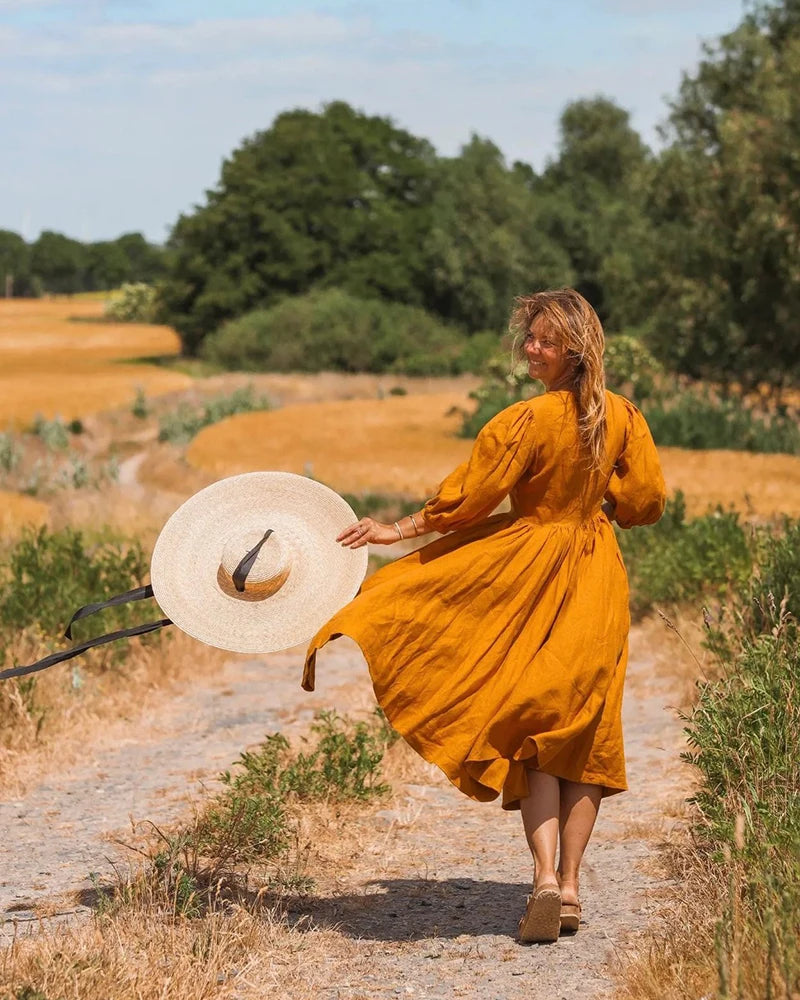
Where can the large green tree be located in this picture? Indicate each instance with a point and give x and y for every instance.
(485, 244)
(591, 200)
(724, 272)
(331, 199)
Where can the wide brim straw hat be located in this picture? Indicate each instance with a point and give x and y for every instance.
(292, 584)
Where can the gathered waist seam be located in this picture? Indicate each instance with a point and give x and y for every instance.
(589, 522)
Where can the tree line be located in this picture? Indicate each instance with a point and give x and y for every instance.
(57, 264)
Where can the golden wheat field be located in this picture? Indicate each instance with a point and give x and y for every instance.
(399, 444)
(53, 366)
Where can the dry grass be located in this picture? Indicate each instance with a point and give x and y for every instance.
(52, 366)
(18, 511)
(675, 652)
(134, 954)
(52, 723)
(682, 955)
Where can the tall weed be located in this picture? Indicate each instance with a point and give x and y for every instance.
(734, 932)
(53, 433)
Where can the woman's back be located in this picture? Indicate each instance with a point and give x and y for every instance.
(535, 448)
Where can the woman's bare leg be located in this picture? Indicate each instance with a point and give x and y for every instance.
(540, 818)
(579, 804)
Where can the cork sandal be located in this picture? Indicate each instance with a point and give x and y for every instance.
(542, 917)
(570, 917)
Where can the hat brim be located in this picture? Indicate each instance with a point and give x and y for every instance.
(305, 515)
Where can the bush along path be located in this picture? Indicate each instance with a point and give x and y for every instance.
(366, 894)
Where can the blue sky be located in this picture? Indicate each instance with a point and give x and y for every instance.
(116, 114)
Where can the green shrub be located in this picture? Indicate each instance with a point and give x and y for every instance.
(181, 424)
(677, 560)
(45, 576)
(253, 819)
(343, 764)
(630, 368)
(334, 331)
(479, 350)
(249, 818)
(691, 419)
(134, 303)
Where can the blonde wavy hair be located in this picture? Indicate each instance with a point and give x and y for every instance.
(576, 328)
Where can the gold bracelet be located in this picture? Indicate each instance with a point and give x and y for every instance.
(416, 529)
(399, 531)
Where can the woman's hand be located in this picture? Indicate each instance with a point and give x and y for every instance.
(367, 529)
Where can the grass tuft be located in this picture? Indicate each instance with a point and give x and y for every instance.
(182, 424)
(244, 843)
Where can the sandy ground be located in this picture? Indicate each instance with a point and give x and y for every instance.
(428, 903)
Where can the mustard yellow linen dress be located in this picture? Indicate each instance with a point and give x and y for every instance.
(503, 644)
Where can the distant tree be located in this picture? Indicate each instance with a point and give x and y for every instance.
(106, 266)
(145, 262)
(485, 243)
(14, 263)
(724, 272)
(59, 262)
(333, 199)
(591, 200)
(129, 259)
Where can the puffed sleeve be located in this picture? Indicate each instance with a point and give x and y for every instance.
(636, 485)
(502, 452)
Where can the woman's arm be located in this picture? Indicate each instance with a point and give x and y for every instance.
(367, 529)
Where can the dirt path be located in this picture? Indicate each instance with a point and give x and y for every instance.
(428, 905)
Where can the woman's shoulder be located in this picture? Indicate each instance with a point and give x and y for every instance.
(515, 418)
(622, 405)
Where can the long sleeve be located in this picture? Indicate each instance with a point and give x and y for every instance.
(501, 453)
(637, 485)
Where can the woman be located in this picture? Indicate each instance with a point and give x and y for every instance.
(499, 650)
